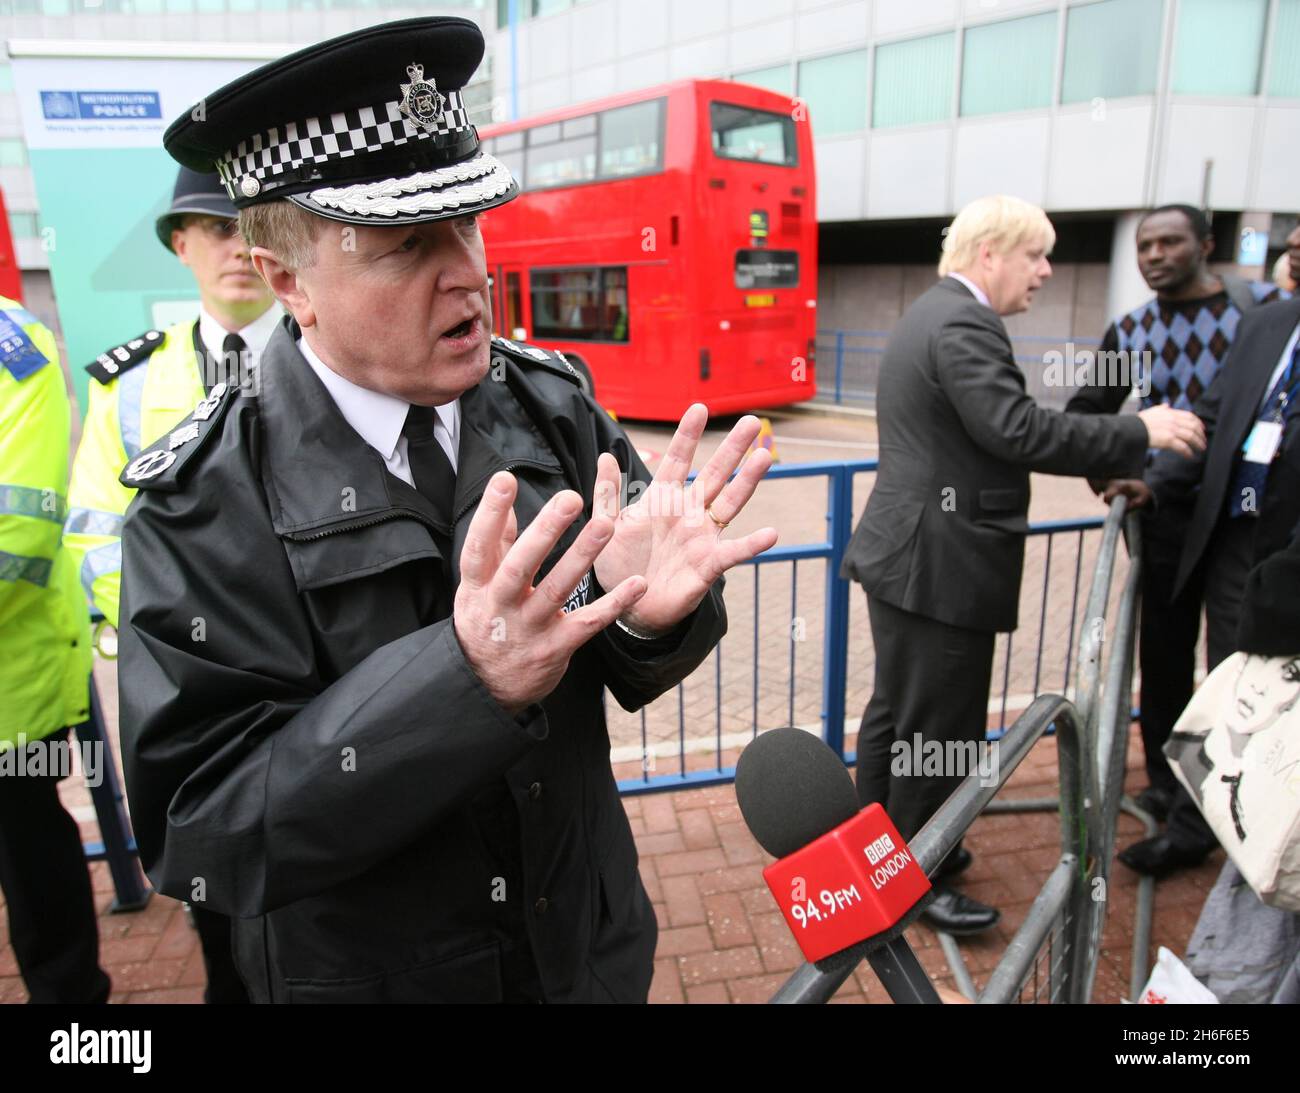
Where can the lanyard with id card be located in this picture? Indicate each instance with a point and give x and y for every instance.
(1266, 437)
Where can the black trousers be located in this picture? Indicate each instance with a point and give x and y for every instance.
(52, 924)
(1169, 629)
(1229, 559)
(224, 985)
(933, 679)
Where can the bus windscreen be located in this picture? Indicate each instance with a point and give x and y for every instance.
(740, 132)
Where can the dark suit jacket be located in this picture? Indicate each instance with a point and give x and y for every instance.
(943, 535)
(1229, 409)
(1270, 608)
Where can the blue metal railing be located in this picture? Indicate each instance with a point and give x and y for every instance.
(844, 347)
(835, 643)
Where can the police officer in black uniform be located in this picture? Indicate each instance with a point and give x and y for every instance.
(369, 611)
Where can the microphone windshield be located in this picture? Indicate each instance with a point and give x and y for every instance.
(792, 789)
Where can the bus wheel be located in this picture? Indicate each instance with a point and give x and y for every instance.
(584, 374)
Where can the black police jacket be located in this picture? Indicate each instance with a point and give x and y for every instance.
(306, 747)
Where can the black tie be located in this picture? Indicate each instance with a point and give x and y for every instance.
(430, 467)
(233, 362)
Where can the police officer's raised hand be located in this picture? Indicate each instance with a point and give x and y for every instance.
(515, 636)
(672, 534)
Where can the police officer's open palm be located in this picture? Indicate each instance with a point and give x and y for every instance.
(514, 635)
(672, 533)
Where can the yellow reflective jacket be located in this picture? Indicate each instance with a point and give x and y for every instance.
(138, 391)
(45, 650)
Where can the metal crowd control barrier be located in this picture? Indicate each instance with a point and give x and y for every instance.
(116, 844)
(854, 357)
(1068, 916)
(1103, 691)
(1054, 913)
(839, 478)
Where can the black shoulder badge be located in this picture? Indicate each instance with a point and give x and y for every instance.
(530, 355)
(159, 467)
(121, 358)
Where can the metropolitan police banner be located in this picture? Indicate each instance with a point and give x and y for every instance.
(93, 114)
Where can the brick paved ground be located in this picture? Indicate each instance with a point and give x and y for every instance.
(721, 937)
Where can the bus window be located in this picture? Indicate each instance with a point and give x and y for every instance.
(509, 149)
(510, 315)
(560, 154)
(629, 139)
(767, 268)
(742, 133)
(580, 304)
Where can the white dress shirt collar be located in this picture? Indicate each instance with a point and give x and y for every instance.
(378, 418)
(976, 291)
(1282, 362)
(256, 334)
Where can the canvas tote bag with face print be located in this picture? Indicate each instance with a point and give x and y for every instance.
(1237, 750)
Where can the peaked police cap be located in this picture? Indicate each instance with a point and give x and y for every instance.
(367, 128)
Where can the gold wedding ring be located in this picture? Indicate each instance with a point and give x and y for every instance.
(721, 524)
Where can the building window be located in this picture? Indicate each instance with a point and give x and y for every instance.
(1009, 65)
(1112, 50)
(778, 78)
(12, 153)
(24, 225)
(586, 305)
(835, 90)
(1284, 65)
(913, 81)
(1215, 54)
(740, 132)
(6, 77)
(477, 98)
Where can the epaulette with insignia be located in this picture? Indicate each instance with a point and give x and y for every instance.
(121, 358)
(531, 354)
(159, 466)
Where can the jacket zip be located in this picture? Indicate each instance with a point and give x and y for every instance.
(478, 496)
(398, 514)
(357, 525)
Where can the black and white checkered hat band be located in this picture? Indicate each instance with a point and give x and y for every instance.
(334, 137)
(471, 184)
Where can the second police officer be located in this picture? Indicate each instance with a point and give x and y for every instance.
(140, 390)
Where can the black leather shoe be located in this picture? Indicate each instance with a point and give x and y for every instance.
(1159, 856)
(954, 913)
(1155, 801)
(956, 862)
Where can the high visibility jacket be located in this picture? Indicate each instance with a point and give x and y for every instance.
(138, 391)
(45, 649)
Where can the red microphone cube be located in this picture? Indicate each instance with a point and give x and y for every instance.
(856, 881)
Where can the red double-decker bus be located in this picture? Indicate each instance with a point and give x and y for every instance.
(666, 243)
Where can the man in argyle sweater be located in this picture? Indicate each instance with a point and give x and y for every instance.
(1170, 349)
